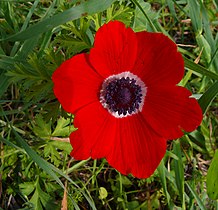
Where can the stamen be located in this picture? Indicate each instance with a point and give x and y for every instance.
(123, 94)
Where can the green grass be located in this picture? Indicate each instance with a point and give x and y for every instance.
(36, 169)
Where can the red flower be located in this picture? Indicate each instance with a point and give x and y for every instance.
(125, 99)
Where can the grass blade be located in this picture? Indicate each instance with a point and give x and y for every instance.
(207, 98)
(199, 201)
(179, 172)
(195, 14)
(88, 7)
(4, 83)
(212, 178)
(199, 69)
(163, 178)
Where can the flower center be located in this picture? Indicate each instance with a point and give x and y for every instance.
(123, 94)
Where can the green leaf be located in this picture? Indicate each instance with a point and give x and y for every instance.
(63, 128)
(143, 16)
(120, 13)
(212, 178)
(51, 152)
(199, 69)
(133, 205)
(65, 146)
(42, 129)
(102, 193)
(41, 199)
(125, 181)
(83, 9)
(207, 98)
(72, 44)
(36, 201)
(27, 188)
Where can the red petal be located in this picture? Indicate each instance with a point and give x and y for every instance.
(95, 135)
(129, 144)
(114, 50)
(76, 84)
(138, 149)
(169, 110)
(158, 62)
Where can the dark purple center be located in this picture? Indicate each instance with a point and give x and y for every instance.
(123, 95)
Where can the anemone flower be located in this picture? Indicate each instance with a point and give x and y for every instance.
(125, 98)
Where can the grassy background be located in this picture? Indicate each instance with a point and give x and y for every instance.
(36, 171)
